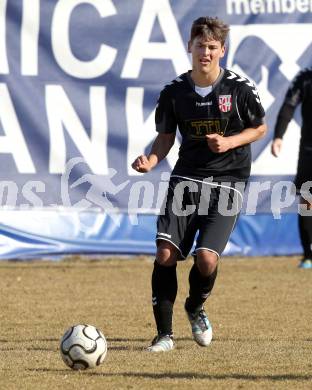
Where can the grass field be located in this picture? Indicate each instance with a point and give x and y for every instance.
(260, 311)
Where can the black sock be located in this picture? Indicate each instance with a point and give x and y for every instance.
(164, 289)
(305, 231)
(200, 288)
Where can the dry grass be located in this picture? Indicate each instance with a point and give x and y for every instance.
(260, 311)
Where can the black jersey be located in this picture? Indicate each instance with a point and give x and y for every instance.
(300, 91)
(232, 106)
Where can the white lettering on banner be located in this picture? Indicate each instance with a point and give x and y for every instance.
(282, 196)
(30, 196)
(255, 188)
(140, 192)
(257, 7)
(8, 193)
(288, 6)
(305, 192)
(61, 114)
(61, 42)
(4, 65)
(140, 133)
(162, 191)
(247, 7)
(29, 37)
(13, 141)
(178, 207)
(141, 48)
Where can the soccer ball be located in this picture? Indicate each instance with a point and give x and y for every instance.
(83, 346)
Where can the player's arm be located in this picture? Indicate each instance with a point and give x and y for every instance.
(251, 113)
(219, 144)
(166, 125)
(284, 117)
(160, 148)
(292, 99)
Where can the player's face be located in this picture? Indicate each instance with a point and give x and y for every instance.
(206, 54)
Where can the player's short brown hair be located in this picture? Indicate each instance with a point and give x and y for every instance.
(210, 28)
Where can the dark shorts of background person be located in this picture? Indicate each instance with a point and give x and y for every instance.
(211, 210)
(304, 171)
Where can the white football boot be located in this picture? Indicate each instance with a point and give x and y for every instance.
(201, 327)
(161, 343)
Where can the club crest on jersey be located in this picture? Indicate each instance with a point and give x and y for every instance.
(225, 103)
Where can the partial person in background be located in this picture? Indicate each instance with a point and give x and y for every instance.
(299, 92)
(218, 114)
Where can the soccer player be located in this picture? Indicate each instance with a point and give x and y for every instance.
(299, 92)
(218, 114)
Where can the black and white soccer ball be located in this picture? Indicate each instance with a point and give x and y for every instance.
(83, 346)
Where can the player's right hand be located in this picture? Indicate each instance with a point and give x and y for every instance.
(141, 164)
(276, 146)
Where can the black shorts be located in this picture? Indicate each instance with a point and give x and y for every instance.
(304, 171)
(205, 210)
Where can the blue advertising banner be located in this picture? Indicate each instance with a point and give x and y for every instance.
(79, 81)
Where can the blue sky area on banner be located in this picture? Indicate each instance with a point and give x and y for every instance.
(79, 81)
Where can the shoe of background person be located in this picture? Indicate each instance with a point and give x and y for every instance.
(201, 327)
(305, 264)
(161, 343)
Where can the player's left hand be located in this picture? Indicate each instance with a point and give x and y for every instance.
(217, 143)
(276, 147)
